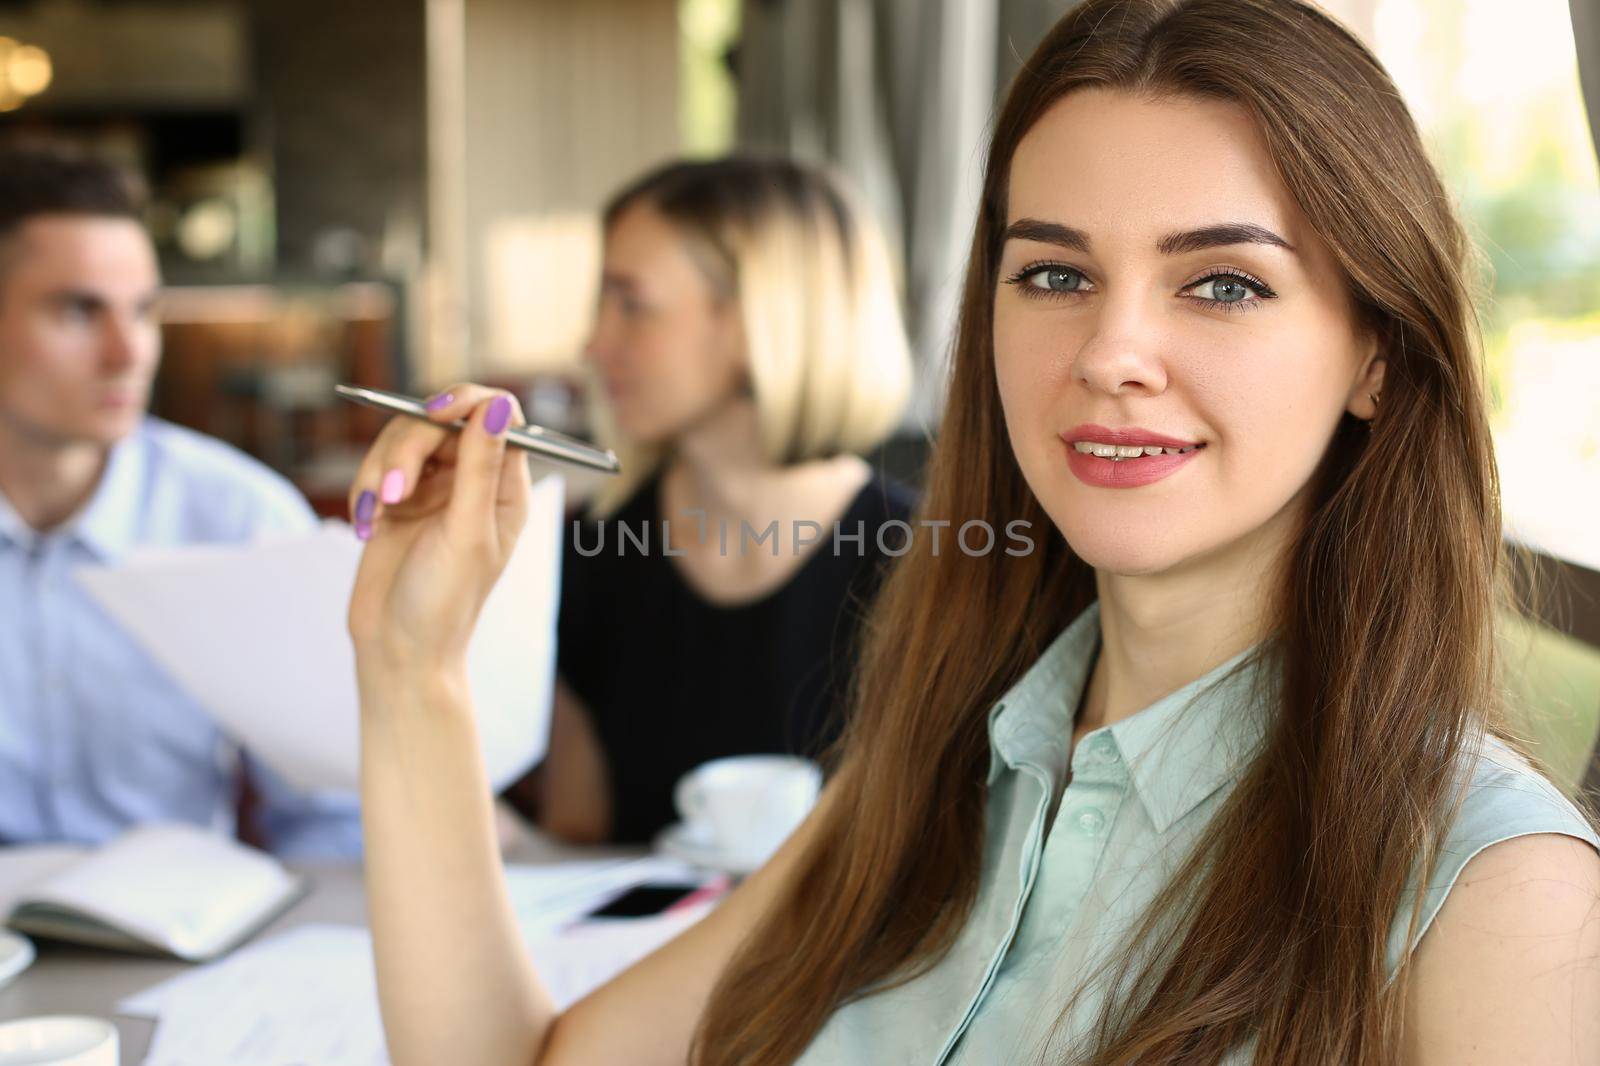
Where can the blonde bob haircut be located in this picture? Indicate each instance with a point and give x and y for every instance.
(829, 365)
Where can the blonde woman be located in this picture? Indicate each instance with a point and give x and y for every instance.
(749, 348)
(1218, 774)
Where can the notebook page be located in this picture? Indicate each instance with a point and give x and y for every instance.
(24, 866)
(176, 886)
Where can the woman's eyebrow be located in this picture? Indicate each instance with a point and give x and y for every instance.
(1179, 243)
(1216, 236)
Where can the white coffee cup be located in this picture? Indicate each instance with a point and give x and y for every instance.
(58, 1040)
(745, 805)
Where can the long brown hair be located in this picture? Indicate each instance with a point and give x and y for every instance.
(1382, 647)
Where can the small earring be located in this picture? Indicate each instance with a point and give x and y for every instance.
(1374, 398)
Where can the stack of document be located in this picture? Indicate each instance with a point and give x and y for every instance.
(309, 995)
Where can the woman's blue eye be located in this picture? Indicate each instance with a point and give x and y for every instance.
(1056, 279)
(1041, 280)
(1224, 289)
(1230, 292)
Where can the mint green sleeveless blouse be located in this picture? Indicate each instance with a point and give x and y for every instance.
(1064, 882)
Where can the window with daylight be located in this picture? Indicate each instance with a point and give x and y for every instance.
(1495, 89)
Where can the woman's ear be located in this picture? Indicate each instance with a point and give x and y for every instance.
(1367, 392)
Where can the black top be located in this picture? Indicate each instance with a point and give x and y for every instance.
(672, 680)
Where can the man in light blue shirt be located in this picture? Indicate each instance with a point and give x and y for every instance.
(94, 736)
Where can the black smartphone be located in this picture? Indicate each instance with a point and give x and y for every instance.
(642, 901)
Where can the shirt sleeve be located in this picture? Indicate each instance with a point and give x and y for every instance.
(269, 505)
(283, 511)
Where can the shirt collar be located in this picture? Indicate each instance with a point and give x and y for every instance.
(1032, 723)
(108, 524)
(1178, 750)
(13, 529)
(1188, 744)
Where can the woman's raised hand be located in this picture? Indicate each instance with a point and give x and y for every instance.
(440, 512)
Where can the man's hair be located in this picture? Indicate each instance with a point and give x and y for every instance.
(56, 179)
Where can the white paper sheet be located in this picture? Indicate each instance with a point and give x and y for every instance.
(582, 957)
(256, 634)
(309, 995)
(305, 996)
(550, 896)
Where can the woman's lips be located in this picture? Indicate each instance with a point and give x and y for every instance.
(1128, 435)
(1125, 471)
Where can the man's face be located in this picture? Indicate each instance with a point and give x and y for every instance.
(79, 341)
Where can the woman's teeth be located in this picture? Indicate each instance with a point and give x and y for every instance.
(1119, 452)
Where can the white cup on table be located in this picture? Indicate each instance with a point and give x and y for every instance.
(745, 805)
(59, 1040)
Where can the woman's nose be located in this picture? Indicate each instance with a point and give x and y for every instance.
(1124, 352)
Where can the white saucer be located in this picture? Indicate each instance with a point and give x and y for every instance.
(16, 955)
(677, 842)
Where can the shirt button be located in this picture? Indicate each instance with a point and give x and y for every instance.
(1104, 751)
(1091, 821)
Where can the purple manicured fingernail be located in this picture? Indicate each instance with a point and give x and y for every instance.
(494, 422)
(393, 487)
(366, 503)
(363, 530)
(444, 399)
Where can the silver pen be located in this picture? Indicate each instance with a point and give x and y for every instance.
(536, 439)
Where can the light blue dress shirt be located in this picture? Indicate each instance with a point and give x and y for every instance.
(94, 736)
(1073, 860)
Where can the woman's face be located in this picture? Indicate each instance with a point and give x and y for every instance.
(1159, 289)
(668, 352)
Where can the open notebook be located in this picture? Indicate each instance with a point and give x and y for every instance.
(157, 889)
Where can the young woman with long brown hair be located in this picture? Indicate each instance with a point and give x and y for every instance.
(1216, 773)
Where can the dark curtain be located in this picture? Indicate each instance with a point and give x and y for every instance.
(897, 94)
